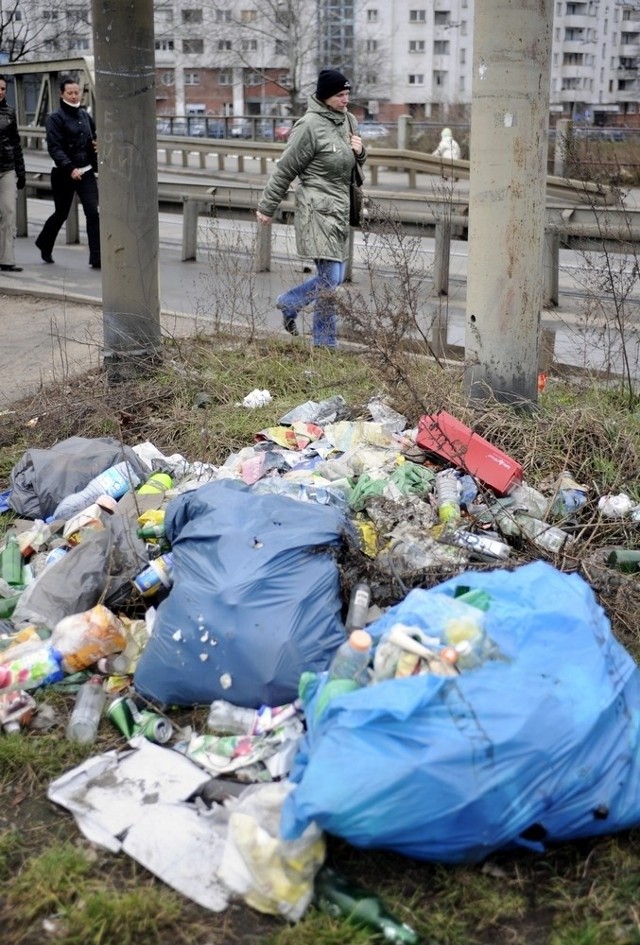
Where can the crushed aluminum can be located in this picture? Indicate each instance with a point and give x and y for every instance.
(154, 727)
(131, 721)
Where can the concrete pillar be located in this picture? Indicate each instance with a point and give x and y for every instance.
(442, 257)
(510, 109)
(551, 262)
(128, 181)
(563, 131)
(405, 123)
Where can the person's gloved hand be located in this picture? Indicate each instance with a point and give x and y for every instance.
(20, 181)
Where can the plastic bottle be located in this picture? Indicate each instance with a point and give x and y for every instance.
(157, 574)
(348, 670)
(230, 719)
(624, 559)
(351, 659)
(114, 482)
(358, 606)
(337, 896)
(30, 666)
(11, 562)
(548, 537)
(85, 718)
(156, 483)
(447, 496)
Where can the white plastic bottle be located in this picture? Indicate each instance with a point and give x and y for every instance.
(230, 719)
(113, 482)
(447, 496)
(85, 718)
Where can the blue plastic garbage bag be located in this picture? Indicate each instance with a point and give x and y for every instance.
(541, 744)
(255, 600)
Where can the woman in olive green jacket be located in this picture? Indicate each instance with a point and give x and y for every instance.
(322, 149)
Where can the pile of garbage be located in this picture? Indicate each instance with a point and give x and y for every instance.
(152, 582)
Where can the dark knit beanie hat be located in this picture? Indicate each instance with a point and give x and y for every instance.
(330, 82)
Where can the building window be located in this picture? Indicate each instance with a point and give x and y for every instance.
(248, 16)
(168, 78)
(225, 78)
(252, 78)
(463, 57)
(78, 43)
(372, 16)
(416, 45)
(418, 16)
(461, 83)
(439, 78)
(441, 18)
(372, 45)
(249, 44)
(416, 78)
(49, 15)
(193, 46)
(282, 47)
(224, 45)
(223, 16)
(192, 16)
(463, 27)
(441, 47)
(192, 78)
(284, 80)
(78, 13)
(164, 45)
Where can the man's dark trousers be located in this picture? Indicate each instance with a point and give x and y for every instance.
(63, 188)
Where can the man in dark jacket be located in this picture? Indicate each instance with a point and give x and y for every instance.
(71, 141)
(11, 175)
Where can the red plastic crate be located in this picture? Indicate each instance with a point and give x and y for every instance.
(442, 434)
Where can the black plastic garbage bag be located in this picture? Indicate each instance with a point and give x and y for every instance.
(100, 569)
(255, 600)
(42, 477)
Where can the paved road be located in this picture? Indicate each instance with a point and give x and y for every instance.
(62, 332)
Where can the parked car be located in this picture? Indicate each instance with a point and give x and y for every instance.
(370, 130)
(240, 128)
(282, 131)
(216, 128)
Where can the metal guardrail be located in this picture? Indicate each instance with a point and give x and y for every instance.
(412, 164)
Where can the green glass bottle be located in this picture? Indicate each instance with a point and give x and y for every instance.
(337, 896)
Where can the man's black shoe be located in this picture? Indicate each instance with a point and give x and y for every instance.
(11, 268)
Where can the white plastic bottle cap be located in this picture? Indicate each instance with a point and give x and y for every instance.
(360, 640)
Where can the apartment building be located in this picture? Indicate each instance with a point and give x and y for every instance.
(234, 57)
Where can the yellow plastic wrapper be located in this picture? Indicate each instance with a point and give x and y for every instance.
(368, 538)
(151, 517)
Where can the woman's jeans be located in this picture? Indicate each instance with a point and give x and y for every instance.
(319, 289)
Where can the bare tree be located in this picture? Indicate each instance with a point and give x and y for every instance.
(32, 29)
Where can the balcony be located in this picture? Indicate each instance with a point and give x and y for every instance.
(579, 21)
(576, 72)
(628, 95)
(629, 50)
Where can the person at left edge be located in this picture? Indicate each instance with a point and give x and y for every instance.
(71, 142)
(12, 175)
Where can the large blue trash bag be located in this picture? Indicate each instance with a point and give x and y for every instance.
(540, 746)
(255, 600)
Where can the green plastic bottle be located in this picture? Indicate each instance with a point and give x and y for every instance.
(624, 559)
(11, 562)
(337, 896)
